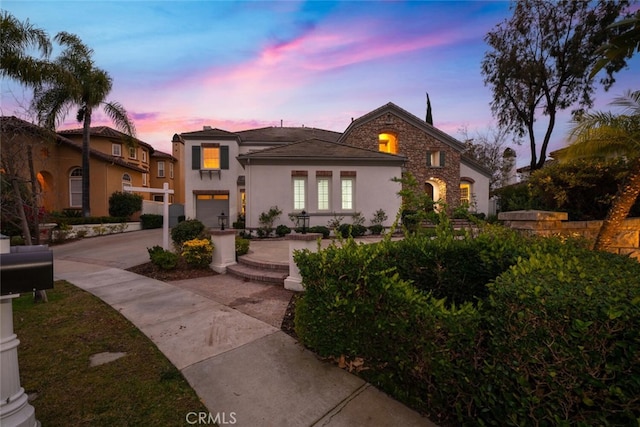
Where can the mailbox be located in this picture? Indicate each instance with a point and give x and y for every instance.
(26, 269)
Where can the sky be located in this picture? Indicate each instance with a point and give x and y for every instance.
(235, 65)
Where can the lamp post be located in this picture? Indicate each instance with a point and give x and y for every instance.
(303, 219)
(222, 220)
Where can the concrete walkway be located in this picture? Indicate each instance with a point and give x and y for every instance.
(224, 336)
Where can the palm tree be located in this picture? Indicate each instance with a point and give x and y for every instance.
(83, 85)
(604, 134)
(16, 38)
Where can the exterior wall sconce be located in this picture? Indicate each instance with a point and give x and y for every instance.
(222, 220)
(303, 221)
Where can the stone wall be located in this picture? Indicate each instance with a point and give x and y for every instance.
(544, 223)
(413, 143)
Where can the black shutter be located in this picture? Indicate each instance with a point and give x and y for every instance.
(442, 157)
(429, 158)
(224, 157)
(195, 157)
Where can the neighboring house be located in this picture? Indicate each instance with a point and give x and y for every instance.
(159, 167)
(434, 158)
(58, 167)
(247, 172)
(325, 179)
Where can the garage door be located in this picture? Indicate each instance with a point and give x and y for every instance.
(209, 206)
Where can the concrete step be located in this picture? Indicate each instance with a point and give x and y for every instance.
(264, 265)
(255, 273)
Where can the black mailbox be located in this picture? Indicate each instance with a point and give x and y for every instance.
(26, 269)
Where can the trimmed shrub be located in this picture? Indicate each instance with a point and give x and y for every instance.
(282, 230)
(187, 230)
(376, 229)
(124, 204)
(320, 229)
(242, 246)
(197, 252)
(149, 221)
(166, 260)
(351, 230)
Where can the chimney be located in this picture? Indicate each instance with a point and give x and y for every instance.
(206, 127)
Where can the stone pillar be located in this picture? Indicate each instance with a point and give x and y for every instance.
(542, 223)
(224, 250)
(15, 411)
(298, 242)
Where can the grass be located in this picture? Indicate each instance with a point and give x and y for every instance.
(56, 340)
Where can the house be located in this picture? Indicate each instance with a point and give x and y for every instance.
(434, 158)
(323, 178)
(114, 164)
(323, 172)
(159, 167)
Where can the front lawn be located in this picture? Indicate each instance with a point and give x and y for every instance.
(57, 340)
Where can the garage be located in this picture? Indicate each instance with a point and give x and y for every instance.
(209, 206)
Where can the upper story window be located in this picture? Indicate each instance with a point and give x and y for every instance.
(209, 156)
(144, 180)
(436, 159)
(144, 156)
(161, 169)
(388, 143)
(133, 153)
(171, 170)
(116, 150)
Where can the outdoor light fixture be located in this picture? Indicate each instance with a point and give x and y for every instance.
(303, 221)
(222, 220)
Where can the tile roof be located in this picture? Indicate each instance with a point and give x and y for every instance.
(317, 149)
(13, 123)
(285, 135)
(106, 132)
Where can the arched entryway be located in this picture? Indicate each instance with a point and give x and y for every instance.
(47, 191)
(436, 189)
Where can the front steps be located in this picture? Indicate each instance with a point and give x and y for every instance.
(259, 271)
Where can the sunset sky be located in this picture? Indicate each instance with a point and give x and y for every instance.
(179, 65)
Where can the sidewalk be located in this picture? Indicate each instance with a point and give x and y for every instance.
(246, 371)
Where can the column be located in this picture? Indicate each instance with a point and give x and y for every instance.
(224, 250)
(299, 242)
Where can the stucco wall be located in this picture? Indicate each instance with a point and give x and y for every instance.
(479, 188)
(272, 185)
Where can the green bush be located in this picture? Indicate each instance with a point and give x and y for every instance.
(553, 340)
(242, 246)
(187, 230)
(376, 229)
(149, 221)
(166, 260)
(282, 230)
(320, 229)
(351, 230)
(124, 204)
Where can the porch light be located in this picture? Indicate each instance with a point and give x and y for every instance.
(222, 220)
(302, 221)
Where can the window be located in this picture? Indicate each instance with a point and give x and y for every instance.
(299, 193)
(323, 194)
(126, 181)
(116, 150)
(132, 153)
(75, 188)
(436, 158)
(171, 170)
(161, 169)
(465, 194)
(388, 143)
(158, 197)
(144, 179)
(209, 156)
(144, 156)
(346, 186)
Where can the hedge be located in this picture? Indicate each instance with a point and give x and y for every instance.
(551, 339)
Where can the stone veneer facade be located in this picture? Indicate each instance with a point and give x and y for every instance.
(413, 143)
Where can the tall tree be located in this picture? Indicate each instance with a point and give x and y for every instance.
(16, 39)
(540, 62)
(604, 134)
(622, 45)
(85, 86)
